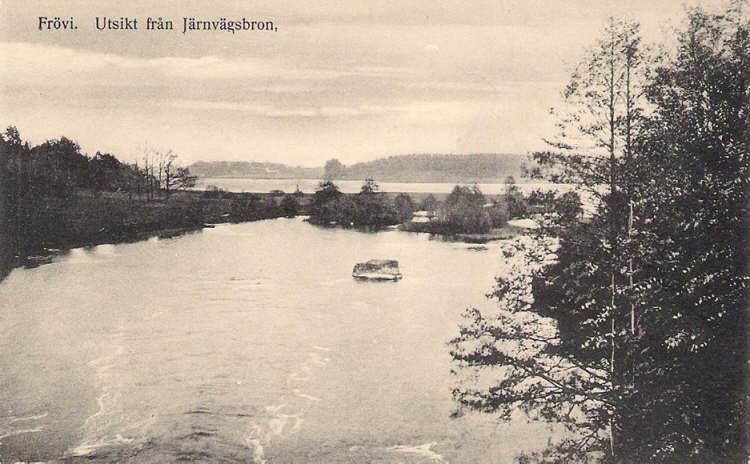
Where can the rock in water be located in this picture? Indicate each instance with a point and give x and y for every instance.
(377, 269)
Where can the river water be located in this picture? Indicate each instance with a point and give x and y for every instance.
(245, 343)
(354, 186)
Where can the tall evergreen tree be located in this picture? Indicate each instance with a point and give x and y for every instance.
(630, 328)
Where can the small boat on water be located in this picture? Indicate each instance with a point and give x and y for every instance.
(377, 269)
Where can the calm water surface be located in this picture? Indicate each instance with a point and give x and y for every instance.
(245, 343)
(353, 186)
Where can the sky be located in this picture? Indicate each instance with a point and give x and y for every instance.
(353, 80)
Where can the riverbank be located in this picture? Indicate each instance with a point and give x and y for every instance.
(90, 218)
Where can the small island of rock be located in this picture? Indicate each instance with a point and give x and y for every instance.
(377, 269)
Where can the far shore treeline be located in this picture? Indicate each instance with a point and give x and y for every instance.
(445, 168)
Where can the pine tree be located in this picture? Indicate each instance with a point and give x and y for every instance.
(630, 327)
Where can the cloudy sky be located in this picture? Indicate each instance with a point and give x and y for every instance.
(354, 80)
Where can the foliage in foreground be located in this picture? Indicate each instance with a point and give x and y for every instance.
(631, 328)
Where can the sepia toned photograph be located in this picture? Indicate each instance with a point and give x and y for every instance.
(387, 232)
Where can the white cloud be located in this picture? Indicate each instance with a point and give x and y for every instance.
(283, 112)
(39, 65)
(42, 65)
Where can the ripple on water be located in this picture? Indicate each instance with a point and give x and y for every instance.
(19, 425)
(287, 417)
(423, 451)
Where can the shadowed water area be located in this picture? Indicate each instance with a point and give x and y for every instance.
(245, 343)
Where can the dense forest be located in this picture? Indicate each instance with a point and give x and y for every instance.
(401, 168)
(631, 328)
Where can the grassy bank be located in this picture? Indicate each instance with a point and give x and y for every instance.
(91, 218)
(436, 228)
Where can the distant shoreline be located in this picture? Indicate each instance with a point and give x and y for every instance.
(310, 185)
(393, 181)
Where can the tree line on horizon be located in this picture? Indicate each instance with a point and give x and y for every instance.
(631, 329)
(432, 168)
(253, 169)
(399, 168)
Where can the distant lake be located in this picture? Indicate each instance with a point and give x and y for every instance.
(245, 343)
(353, 186)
